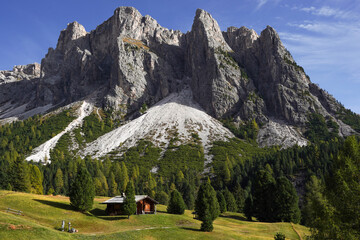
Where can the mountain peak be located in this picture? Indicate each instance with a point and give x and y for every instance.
(72, 32)
(130, 61)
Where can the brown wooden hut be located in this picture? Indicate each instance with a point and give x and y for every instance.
(144, 205)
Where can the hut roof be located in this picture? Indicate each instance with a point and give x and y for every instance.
(120, 199)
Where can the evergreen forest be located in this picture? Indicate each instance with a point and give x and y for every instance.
(312, 185)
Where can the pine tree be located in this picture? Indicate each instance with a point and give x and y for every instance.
(176, 203)
(188, 193)
(222, 202)
(129, 206)
(20, 175)
(59, 181)
(286, 207)
(230, 201)
(207, 206)
(263, 198)
(239, 195)
(206, 224)
(82, 191)
(248, 208)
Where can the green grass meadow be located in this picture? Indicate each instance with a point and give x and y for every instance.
(42, 216)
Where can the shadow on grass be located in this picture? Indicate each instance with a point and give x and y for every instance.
(101, 214)
(191, 229)
(161, 211)
(60, 205)
(235, 217)
(111, 218)
(96, 212)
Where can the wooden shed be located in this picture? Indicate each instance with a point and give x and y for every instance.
(144, 205)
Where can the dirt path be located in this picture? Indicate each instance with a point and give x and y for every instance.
(293, 227)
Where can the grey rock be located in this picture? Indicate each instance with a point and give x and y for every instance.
(130, 60)
(280, 134)
(216, 78)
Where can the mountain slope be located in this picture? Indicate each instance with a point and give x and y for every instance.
(130, 61)
(177, 115)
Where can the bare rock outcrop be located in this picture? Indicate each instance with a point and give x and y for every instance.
(130, 60)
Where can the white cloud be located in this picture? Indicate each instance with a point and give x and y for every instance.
(261, 3)
(328, 28)
(326, 11)
(330, 56)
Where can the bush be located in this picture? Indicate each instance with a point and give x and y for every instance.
(279, 236)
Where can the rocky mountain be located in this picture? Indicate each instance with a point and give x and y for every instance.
(130, 61)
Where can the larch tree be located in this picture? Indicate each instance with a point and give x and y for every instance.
(36, 179)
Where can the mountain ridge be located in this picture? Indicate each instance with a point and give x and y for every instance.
(130, 60)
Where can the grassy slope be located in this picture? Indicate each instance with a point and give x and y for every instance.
(43, 215)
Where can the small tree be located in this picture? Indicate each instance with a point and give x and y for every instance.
(230, 201)
(176, 203)
(207, 206)
(222, 202)
(82, 191)
(59, 181)
(129, 202)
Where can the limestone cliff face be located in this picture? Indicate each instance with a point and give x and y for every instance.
(130, 60)
(216, 77)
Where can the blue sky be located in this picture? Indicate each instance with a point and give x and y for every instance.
(323, 36)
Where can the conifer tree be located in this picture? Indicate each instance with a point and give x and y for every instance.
(59, 181)
(176, 203)
(124, 177)
(82, 191)
(286, 208)
(188, 193)
(129, 206)
(207, 206)
(36, 179)
(239, 195)
(264, 189)
(338, 215)
(112, 185)
(222, 202)
(248, 208)
(230, 201)
(20, 175)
